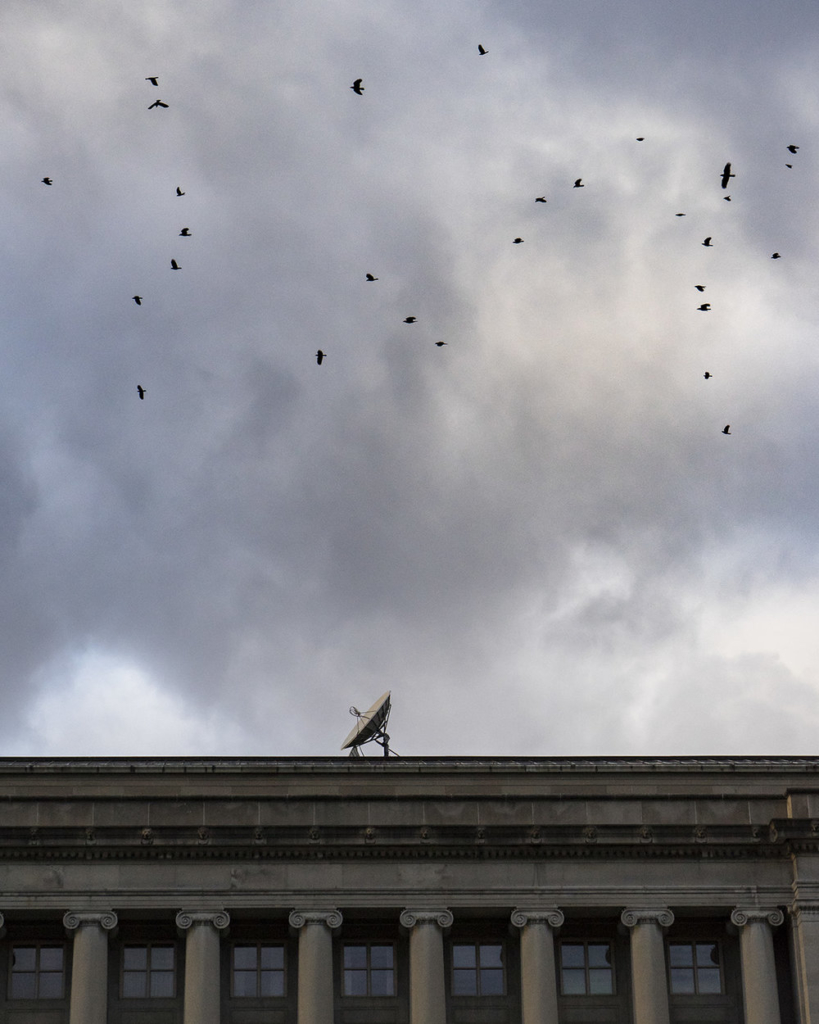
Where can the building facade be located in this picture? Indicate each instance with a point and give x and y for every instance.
(409, 891)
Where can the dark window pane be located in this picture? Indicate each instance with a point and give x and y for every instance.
(707, 954)
(572, 956)
(682, 980)
(162, 984)
(491, 956)
(272, 958)
(599, 955)
(23, 958)
(51, 958)
(380, 957)
(463, 956)
(135, 958)
(382, 983)
(134, 984)
(355, 956)
(244, 958)
(355, 983)
(708, 980)
(491, 982)
(464, 983)
(162, 958)
(680, 955)
(272, 983)
(244, 983)
(574, 982)
(23, 986)
(600, 981)
(51, 985)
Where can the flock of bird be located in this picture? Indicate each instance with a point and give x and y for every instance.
(358, 88)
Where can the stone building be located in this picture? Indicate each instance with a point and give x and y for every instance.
(412, 890)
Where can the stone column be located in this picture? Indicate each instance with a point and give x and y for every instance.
(538, 977)
(202, 968)
(805, 922)
(759, 990)
(649, 980)
(89, 970)
(315, 964)
(427, 975)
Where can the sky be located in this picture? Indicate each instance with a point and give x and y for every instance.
(537, 535)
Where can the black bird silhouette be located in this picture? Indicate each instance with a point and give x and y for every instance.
(153, 79)
(705, 307)
(371, 278)
(439, 343)
(320, 357)
(789, 165)
(641, 138)
(792, 149)
(158, 103)
(47, 181)
(541, 199)
(357, 87)
(185, 233)
(727, 428)
(141, 391)
(579, 183)
(679, 214)
(708, 375)
(776, 256)
(726, 174)
(179, 191)
(481, 50)
(707, 242)
(138, 300)
(410, 319)
(175, 265)
(727, 199)
(517, 241)
(700, 287)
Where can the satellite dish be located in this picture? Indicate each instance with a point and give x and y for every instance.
(369, 727)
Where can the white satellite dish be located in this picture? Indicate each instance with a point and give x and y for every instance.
(370, 726)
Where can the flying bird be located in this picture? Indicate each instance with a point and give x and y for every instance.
(158, 103)
(439, 343)
(641, 138)
(185, 233)
(792, 149)
(679, 214)
(357, 87)
(517, 241)
(708, 375)
(705, 307)
(700, 287)
(579, 183)
(707, 242)
(776, 256)
(410, 319)
(47, 181)
(727, 199)
(541, 199)
(179, 191)
(481, 50)
(141, 391)
(789, 165)
(153, 79)
(175, 265)
(320, 357)
(727, 428)
(371, 278)
(726, 174)
(138, 299)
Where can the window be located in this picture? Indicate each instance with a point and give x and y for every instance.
(477, 969)
(258, 970)
(369, 969)
(695, 968)
(586, 969)
(36, 972)
(148, 971)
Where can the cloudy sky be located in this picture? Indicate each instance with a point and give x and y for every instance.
(536, 536)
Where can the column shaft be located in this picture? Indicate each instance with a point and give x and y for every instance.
(427, 973)
(202, 991)
(648, 973)
(759, 988)
(538, 978)
(89, 975)
(315, 989)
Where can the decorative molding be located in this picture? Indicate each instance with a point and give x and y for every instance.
(805, 911)
(552, 917)
(410, 918)
(646, 915)
(746, 915)
(299, 918)
(106, 919)
(218, 918)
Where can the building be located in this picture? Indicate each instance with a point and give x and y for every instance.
(418, 890)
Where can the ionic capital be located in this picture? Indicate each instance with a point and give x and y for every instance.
(187, 918)
(410, 918)
(660, 916)
(741, 916)
(551, 916)
(106, 919)
(299, 918)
